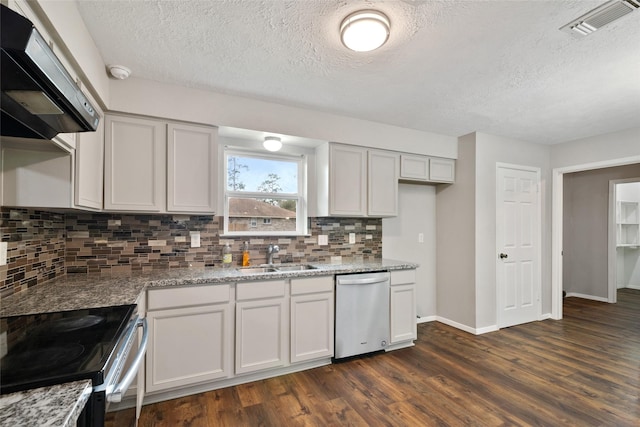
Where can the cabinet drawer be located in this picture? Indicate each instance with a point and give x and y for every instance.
(187, 296)
(403, 277)
(311, 285)
(260, 289)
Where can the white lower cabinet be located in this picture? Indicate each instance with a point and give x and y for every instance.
(262, 326)
(403, 306)
(312, 315)
(189, 344)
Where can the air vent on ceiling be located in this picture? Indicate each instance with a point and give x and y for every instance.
(600, 16)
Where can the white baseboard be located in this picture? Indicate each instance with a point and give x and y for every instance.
(426, 319)
(585, 296)
(469, 329)
(632, 286)
(545, 316)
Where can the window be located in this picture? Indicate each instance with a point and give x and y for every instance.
(264, 194)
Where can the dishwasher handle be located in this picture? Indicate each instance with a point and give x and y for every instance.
(361, 281)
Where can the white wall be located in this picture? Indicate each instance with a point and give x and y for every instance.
(455, 241)
(416, 214)
(491, 150)
(138, 96)
(598, 149)
(466, 259)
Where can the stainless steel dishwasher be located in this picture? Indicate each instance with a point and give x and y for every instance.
(362, 313)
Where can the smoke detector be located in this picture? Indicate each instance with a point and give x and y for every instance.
(600, 16)
(119, 72)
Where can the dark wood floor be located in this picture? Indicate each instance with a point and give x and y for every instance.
(583, 370)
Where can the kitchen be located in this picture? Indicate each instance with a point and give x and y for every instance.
(161, 100)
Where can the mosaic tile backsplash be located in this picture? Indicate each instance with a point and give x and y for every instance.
(43, 245)
(35, 249)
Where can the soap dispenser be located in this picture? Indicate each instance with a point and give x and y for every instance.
(246, 260)
(226, 256)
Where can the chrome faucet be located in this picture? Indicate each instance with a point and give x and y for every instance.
(270, 251)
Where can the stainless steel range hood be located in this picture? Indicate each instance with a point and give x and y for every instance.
(39, 97)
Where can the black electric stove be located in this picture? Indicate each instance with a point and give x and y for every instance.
(54, 348)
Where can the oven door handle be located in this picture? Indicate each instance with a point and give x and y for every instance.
(123, 385)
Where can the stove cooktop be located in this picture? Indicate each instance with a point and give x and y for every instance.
(53, 348)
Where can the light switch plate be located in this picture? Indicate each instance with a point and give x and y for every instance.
(3, 253)
(323, 240)
(195, 239)
(352, 238)
(420, 237)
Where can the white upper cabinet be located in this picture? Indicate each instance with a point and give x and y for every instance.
(442, 170)
(356, 182)
(414, 167)
(426, 169)
(382, 174)
(154, 166)
(347, 181)
(89, 168)
(191, 168)
(135, 164)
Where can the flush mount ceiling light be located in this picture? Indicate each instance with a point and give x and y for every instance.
(272, 143)
(364, 30)
(119, 72)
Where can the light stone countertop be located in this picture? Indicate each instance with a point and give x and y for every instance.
(58, 405)
(55, 406)
(79, 291)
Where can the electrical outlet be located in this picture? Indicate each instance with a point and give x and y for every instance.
(323, 240)
(3, 253)
(195, 239)
(352, 238)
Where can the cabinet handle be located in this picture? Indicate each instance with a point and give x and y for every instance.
(503, 256)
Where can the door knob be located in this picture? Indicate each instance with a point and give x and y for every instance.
(503, 256)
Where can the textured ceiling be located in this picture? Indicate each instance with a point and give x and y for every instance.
(450, 67)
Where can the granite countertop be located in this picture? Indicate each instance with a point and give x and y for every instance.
(78, 291)
(58, 405)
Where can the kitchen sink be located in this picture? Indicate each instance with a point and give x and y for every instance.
(299, 267)
(256, 270)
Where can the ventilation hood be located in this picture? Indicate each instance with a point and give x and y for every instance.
(39, 97)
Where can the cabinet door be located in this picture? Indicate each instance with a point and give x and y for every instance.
(442, 170)
(191, 169)
(135, 164)
(403, 313)
(311, 326)
(260, 334)
(383, 183)
(347, 181)
(414, 167)
(188, 346)
(89, 168)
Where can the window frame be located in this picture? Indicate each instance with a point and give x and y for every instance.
(300, 196)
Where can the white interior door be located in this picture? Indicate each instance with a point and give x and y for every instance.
(518, 245)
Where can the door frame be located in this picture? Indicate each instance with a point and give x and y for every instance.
(557, 213)
(612, 253)
(538, 270)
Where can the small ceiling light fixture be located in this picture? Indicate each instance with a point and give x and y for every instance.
(119, 72)
(272, 143)
(364, 30)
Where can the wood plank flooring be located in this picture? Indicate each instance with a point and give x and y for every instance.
(583, 370)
